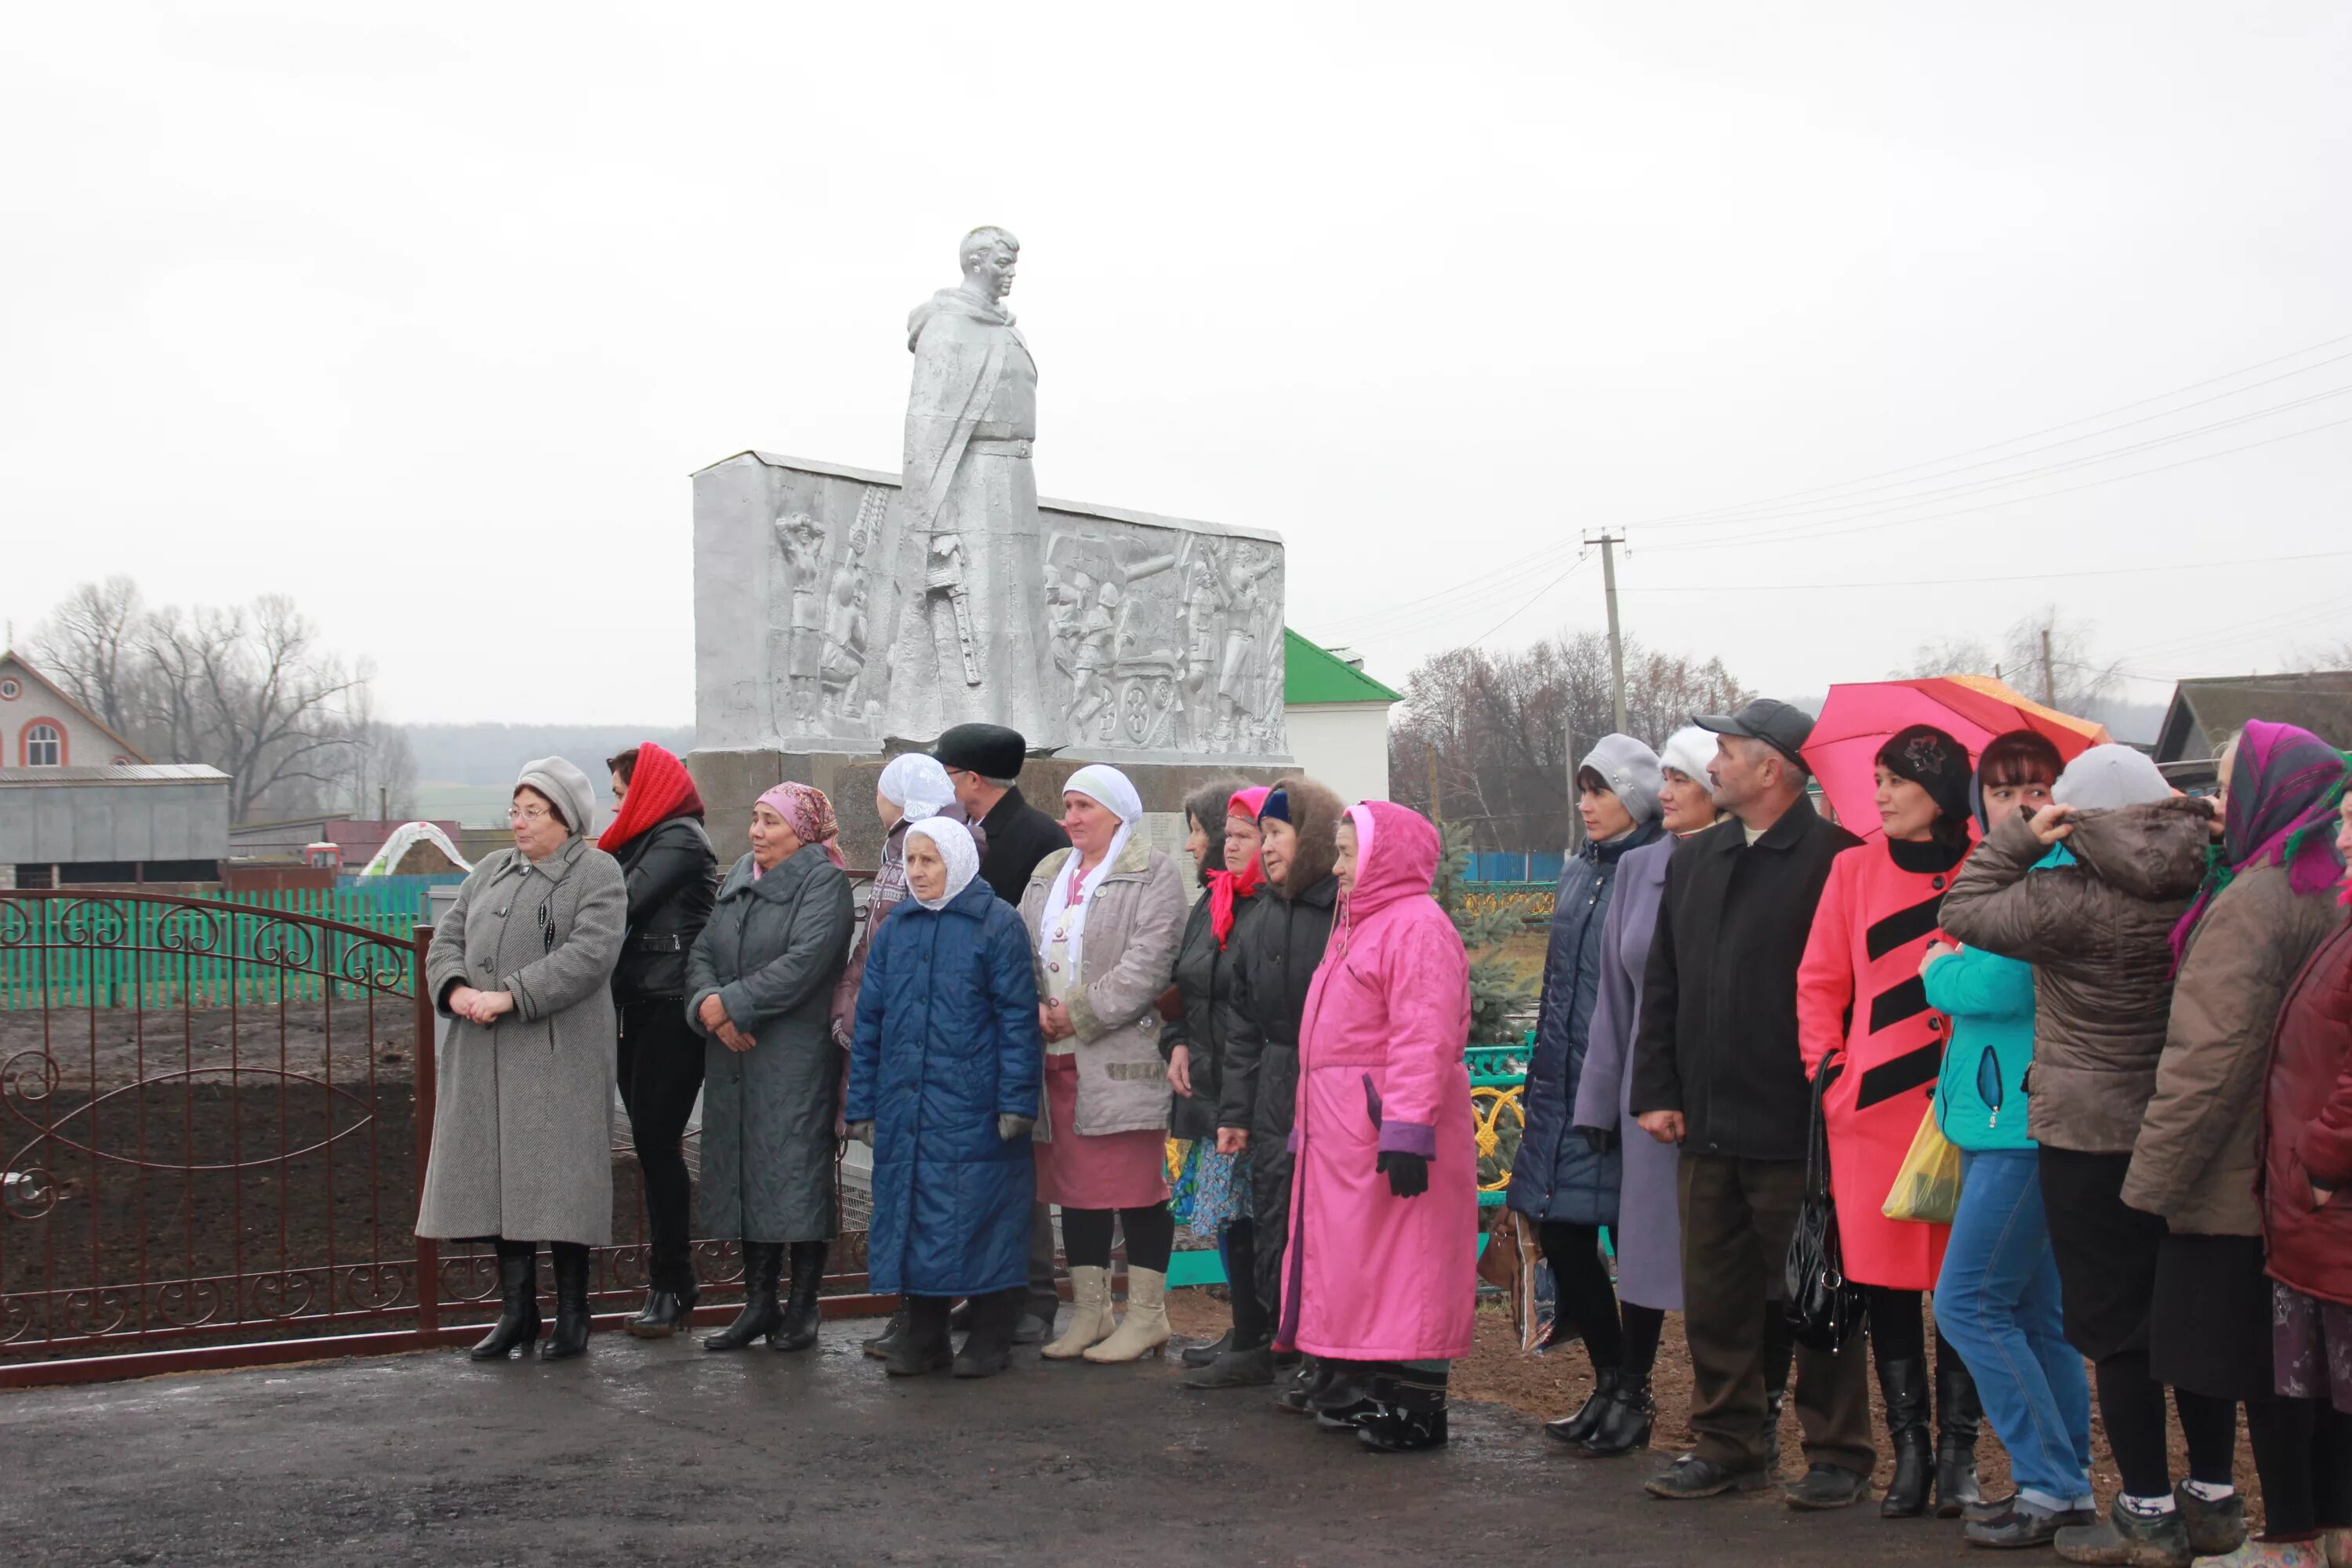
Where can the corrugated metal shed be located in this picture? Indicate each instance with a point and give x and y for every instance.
(175, 812)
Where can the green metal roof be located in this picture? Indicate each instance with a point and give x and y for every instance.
(1309, 674)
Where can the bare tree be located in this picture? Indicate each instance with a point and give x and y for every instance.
(1490, 741)
(378, 767)
(248, 689)
(88, 645)
(2064, 671)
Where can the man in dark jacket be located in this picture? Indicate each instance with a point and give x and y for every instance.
(983, 762)
(1275, 946)
(1717, 1071)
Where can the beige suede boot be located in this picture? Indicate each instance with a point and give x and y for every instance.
(1091, 1318)
(1144, 1331)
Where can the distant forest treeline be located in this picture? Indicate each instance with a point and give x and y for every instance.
(489, 753)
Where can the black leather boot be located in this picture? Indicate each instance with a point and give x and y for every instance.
(665, 1312)
(1957, 1412)
(1575, 1428)
(571, 1336)
(1625, 1425)
(762, 1314)
(1197, 1356)
(925, 1346)
(518, 1322)
(1904, 1386)
(1408, 1412)
(798, 1331)
(882, 1344)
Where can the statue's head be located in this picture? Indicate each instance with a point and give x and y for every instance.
(988, 255)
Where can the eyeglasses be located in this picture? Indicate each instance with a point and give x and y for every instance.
(526, 814)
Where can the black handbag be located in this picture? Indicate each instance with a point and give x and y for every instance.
(1825, 1309)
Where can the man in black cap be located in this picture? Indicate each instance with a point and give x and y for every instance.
(1717, 1071)
(983, 762)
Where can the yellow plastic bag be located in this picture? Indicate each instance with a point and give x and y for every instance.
(1927, 1187)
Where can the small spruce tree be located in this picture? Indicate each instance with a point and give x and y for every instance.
(1495, 989)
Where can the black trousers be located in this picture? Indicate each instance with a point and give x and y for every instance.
(2303, 1450)
(660, 1069)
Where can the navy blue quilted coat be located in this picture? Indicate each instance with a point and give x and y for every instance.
(1557, 1175)
(946, 1042)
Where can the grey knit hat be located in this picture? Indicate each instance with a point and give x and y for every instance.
(1631, 769)
(567, 786)
(2108, 776)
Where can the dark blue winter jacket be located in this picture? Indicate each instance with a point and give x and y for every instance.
(946, 1042)
(1557, 1174)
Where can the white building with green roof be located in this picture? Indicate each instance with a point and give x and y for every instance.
(1337, 718)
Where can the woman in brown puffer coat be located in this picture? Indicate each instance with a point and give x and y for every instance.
(2268, 902)
(2099, 932)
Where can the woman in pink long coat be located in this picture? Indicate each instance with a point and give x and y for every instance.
(1384, 1202)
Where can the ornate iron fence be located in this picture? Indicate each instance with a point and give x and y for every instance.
(215, 1161)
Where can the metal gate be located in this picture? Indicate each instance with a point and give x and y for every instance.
(213, 1126)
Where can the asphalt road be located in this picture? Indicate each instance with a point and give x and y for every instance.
(662, 1454)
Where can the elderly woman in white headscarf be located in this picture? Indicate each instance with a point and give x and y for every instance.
(1105, 919)
(522, 1132)
(911, 787)
(943, 1074)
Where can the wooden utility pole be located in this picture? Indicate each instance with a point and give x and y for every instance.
(2049, 675)
(1608, 542)
(1437, 810)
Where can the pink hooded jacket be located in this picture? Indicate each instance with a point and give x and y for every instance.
(1370, 1276)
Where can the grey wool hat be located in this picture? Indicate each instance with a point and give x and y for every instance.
(567, 786)
(1631, 770)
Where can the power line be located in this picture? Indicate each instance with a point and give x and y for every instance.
(1954, 582)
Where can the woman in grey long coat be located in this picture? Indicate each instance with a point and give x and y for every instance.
(759, 987)
(523, 1132)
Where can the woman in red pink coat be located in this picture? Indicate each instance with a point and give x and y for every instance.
(1384, 1202)
(1861, 1006)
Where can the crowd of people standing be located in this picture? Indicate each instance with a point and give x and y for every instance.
(2125, 1010)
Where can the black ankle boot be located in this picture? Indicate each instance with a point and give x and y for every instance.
(518, 1322)
(1408, 1414)
(800, 1318)
(1904, 1386)
(762, 1314)
(1197, 1356)
(665, 1312)
(571, 1336)
(1575, 1428)
(1625, 1425)
(1957, 1412)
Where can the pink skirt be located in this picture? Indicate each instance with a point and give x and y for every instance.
(1114, 1171)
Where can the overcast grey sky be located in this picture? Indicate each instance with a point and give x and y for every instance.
(357, 310)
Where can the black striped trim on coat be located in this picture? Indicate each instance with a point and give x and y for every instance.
(1903, 927)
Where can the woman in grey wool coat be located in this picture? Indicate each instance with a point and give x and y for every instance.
(758, 987)
(523, 1132)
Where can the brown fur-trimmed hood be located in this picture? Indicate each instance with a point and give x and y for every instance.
(1315, 811)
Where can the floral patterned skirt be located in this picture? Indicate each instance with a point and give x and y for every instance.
(2312, 1341)
(1212, 1189)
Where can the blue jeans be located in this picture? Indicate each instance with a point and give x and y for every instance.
(1997, 1302)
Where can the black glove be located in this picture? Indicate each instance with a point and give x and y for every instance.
(1600, 1139)
(1407, 1174)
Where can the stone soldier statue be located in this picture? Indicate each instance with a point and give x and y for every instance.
(969, 645)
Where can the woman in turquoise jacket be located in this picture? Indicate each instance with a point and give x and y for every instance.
(1998, 1299)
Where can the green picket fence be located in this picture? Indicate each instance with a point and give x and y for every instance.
(126, 949)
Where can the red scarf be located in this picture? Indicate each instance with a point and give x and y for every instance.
(659, 789)
(1227, 889)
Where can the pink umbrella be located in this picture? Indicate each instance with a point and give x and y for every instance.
(1971, 708)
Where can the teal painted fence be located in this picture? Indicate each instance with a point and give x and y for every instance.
(106, 951)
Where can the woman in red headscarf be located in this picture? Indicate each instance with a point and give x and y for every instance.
(657, 836)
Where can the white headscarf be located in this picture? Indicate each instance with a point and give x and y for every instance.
(1066, 907)
(916, 784)
(952, 839)
(1688, 750)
